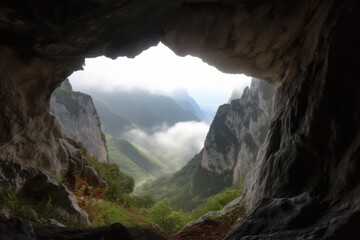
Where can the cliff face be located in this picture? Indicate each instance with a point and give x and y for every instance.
(238, 131)
(77, 115)
(311, 47)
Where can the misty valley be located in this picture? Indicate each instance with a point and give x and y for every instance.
(137, 120)
(161, 160)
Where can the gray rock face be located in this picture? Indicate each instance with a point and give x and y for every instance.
(36, 184)
(77, 115)
(311, 47)
(238, 130)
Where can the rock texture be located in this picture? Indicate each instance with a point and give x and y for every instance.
(312, 147)
(37, 184)
(15, 228)
(238, 131)
(30, 135)
(311, 47)
(78, 116)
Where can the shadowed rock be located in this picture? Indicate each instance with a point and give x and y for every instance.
(311, 47)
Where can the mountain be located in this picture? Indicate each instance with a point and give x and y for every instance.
(112, 122)
(77, 115)
(184, 100)
(229, 152)
(238, 131)
(134, 161)
(189, 187)
(138, 108)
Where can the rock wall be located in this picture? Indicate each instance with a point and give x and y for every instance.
(30, 135)
(306, 183)
(238, 131)
(78, 116)
(311, 47)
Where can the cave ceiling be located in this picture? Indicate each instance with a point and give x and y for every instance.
(258, 39)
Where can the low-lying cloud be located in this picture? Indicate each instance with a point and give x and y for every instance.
(174, 145)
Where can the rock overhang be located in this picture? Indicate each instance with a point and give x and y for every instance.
(258, 39)
(288, 42)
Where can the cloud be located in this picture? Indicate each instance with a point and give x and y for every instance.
(158, 69)
(174, 145)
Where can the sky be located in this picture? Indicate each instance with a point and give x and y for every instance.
(160, 70)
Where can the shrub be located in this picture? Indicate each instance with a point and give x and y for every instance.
(168, 220)
(217, 202)
(118, 183)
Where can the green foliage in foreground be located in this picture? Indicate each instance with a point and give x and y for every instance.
(118, 183)
(107, 212)
(117, 205)
(168, 220)
(218, 201)
(171, 221)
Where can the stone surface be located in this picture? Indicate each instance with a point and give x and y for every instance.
(37, 184)
(78, 116)
(311, 47)
(238, 131)
(301, 217)
(20, 229)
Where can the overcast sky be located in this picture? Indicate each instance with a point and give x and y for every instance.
(158, 69)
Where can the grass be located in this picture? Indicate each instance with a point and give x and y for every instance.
(189, 187)
(113, 212)
(113, 203)
(171, 221)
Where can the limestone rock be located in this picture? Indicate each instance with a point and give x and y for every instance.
(298, 217)
(238, 131)
(78, 116)
(34, 183)
(311, 47)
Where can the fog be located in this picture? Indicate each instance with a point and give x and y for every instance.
(174, 145)
(159, 70)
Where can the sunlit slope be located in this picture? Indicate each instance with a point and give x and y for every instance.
(188, 187)
(134, 161)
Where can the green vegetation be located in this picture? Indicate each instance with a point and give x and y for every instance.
(167, 219)
(116, 204)
(218, 201)
(189, 187)
(113, 203)
(31, 208)
(135, 161)
(119, 184)
(171, 221)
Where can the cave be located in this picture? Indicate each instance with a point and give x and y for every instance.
(306, 183)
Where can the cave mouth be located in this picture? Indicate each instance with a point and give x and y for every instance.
(155, 111)
(307, 183)
(159, 70)
(154, 76)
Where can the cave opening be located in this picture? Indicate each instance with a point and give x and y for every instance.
(306, 182)
(150, 116)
